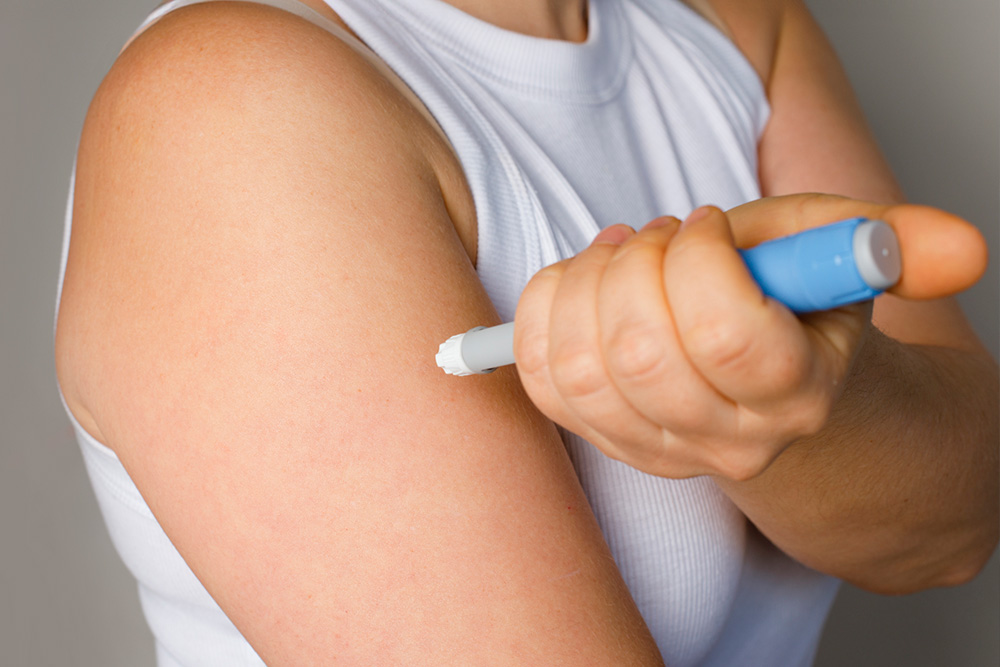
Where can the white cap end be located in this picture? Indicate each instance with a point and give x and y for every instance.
(876, 254)
(449, 357)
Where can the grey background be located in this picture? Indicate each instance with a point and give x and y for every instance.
(928, 74)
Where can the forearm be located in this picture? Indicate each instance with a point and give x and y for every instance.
(900, 490)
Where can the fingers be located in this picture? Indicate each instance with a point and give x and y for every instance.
(578, 367)
(661, 350)
(772, 217)
(644, 357)
(557, 344)
(531, 339)
(748, 347)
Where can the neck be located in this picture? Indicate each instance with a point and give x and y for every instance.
(551, 19)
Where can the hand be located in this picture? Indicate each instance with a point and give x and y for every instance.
(660, 349)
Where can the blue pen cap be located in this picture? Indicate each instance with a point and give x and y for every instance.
(827, 267)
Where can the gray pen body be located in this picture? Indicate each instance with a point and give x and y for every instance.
(485, 349)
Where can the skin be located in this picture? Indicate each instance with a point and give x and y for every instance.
(776, 407)
(923, 510)
(282, 450)
(865, 451)
(747, 377)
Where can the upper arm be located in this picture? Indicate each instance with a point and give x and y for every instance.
(817, 140)
(261, 268)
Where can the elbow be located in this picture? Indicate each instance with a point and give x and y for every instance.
(965, 570)
(916, 574)
(956, 548)
(945, 554)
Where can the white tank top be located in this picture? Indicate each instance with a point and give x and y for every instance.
(656, 113)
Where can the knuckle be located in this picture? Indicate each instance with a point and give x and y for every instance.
(719, 344)
(553, 271)
(788, 372)
(544, 280)
(808, 202)
(744, 463)
(531, 353)
(691, 417)
(635, 351)
(812, 415)
(649, 456)
(577, 371)
(643, 243)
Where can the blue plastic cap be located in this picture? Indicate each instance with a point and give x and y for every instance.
(826, 267)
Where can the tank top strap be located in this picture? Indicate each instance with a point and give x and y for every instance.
(290, 6)
(309, 14)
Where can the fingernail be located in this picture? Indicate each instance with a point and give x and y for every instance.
(699, 213)
(660, 222)
(614, 235)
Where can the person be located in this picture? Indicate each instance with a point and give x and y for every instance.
(280, 209)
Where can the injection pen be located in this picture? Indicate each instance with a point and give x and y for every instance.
(817, 269)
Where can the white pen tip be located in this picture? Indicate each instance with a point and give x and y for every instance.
(449, 357)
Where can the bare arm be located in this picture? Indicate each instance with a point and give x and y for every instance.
(899, 491)
(262, 266)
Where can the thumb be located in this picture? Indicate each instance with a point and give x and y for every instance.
(942, 254)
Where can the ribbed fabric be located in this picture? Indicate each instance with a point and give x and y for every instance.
(655, 113)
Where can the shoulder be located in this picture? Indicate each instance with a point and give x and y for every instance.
(206, 62)
(262, 264)
(232, 139)
(753, 25)
(245, 76)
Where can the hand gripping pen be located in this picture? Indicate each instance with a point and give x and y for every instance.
(817, 269)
